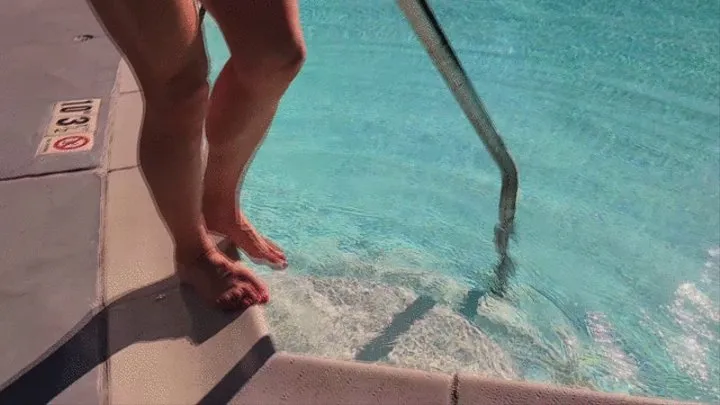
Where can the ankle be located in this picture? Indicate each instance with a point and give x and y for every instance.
(190, 247)
(217, 208)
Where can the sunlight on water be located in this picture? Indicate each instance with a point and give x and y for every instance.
(696, 349)
(556, 350)
(380, 191)
(620, 367)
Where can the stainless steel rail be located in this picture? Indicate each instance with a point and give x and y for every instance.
(427, 28)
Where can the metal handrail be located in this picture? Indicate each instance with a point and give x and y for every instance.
(427, 28)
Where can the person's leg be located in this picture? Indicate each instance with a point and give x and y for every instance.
(267, 51)
(163, 44)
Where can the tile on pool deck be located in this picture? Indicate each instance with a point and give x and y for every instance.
(49, 265)
(295, 379)
(125, 81)
(164, 345)
(41, 64)
(138, 248)
(125, 129)
(473, 390)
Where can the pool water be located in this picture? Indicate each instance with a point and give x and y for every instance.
(371, 174)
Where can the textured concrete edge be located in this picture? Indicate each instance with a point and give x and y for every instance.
(472, 388)
(104, 368)
(294, 378)
(323, 381)
(300, 379)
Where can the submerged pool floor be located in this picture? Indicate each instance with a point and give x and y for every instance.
(371, 175)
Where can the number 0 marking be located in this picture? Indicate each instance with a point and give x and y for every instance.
(75, 108)
(74, 117)
(64, 103)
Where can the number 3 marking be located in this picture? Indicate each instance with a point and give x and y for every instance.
(73, 121)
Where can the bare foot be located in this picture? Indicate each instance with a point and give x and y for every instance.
(258, 248)
(222, 282)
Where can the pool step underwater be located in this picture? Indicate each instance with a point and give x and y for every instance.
(349, 319)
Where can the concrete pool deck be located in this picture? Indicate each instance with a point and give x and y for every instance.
(89, 308)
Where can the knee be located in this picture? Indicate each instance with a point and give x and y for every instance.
(272, 64)
(190, 82)
(187, 84)
(292, 58)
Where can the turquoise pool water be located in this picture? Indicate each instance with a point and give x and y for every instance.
(611, 110)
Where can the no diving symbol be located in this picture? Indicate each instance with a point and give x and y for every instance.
(72, 142)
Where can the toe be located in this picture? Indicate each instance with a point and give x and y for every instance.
(262, 289)
(271, 259)
(232, 299)
(271, 253)
(251, 293)
(248, 302)
(277, 262)
(275, 248)
(265, 298)
(260, 292)
(247, 275)
(254, 295)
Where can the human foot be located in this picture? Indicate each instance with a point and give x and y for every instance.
(222, 282)
(258, 248)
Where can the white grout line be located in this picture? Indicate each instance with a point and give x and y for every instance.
(119, 169)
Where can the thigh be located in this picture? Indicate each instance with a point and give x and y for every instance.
(161, 39)
(258, 29)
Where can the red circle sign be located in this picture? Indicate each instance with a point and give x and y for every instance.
(71, 142)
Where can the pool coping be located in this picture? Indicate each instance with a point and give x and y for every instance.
(136, 254)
